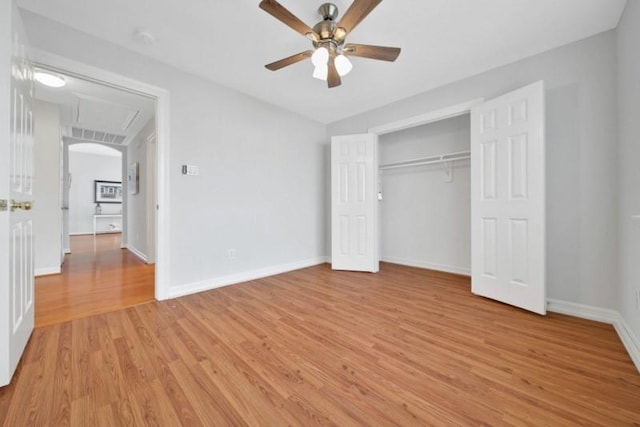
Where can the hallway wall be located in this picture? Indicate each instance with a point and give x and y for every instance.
(85, 169)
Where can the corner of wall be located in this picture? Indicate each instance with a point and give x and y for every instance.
(627, 336)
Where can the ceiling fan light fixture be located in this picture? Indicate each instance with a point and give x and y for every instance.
(49, 79)
(343, 65)
(339, 33)
(321, 72)
(320, 57)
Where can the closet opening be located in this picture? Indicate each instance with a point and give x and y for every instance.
(425, 195)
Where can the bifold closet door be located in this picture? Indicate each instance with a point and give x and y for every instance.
(508, 199)
(354, 234)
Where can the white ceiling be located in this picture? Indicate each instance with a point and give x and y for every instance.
(90, 148)
(442, 41)
(98, 108)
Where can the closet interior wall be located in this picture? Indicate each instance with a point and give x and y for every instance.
(425, 209)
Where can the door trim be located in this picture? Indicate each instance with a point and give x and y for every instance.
(423, 119)
(68, 66)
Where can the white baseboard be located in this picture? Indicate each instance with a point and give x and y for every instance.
(80, 233)
(582, 311)
(605, 315)
(428, 265)
(67, 250)
(629, 339)
(47, 271)
(205, 285)
(136, 252)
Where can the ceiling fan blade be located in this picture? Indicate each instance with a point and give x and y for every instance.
(333, 78)
(358, 10)
(381, 53)
(276, 10)
(289, 60)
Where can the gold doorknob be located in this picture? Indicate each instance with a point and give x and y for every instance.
(21, 205)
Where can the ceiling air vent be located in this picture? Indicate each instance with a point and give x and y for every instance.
(97, 136)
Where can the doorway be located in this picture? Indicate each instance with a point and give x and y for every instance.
(425, 199)
(107, 210)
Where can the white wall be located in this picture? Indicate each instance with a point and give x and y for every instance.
(85, 169)
(137, 203)
(629, 157)
(261, 185)
(582, 159)
(47, 216)
(425, 220)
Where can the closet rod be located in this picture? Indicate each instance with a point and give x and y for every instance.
(461, 155)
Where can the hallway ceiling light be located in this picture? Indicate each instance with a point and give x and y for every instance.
(49, 79)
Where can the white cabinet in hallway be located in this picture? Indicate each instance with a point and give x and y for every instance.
(107, 223)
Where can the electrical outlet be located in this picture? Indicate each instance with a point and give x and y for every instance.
(231, 254)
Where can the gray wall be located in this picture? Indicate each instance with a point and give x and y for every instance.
(582, 178)
(261, 185)
(629, 172)
(47, 216)
(424, 218)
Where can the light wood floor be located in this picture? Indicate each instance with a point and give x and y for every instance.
(97, 277)
(402, 347)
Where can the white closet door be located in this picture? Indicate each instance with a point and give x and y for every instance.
(354, 224)
(508, 199)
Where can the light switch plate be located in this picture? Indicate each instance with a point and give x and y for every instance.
(190, 170)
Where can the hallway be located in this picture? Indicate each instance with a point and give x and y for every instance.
(97, 277)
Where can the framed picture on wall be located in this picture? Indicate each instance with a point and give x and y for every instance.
(108, 191)
(133, 178)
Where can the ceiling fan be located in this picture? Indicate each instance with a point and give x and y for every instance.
(330, 54)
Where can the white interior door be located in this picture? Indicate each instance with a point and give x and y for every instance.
(354, 204)
(508, 199)
(16, 223)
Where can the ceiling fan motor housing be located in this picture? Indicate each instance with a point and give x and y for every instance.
(328, 11)
(325, 28)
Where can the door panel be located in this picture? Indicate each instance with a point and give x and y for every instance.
(354, 203)
(508, 199)
(16, 184)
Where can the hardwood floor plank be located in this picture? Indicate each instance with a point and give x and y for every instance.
(84, 408)
(218, 405)
(126, 412)
(402, 347)
(61, 399)
(155, 406)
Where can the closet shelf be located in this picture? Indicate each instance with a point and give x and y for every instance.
(441, 158)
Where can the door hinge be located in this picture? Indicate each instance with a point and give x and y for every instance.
(3, 205)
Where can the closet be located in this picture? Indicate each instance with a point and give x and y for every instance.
(436, 211)
(425, 196)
